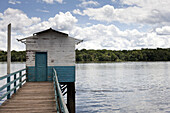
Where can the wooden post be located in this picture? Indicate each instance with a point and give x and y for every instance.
(8, 57)
(20, 80)
(71, 97)
(14, 83)
(26, 74)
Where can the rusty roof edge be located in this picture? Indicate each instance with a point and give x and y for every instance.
(78, 40)
(23, 40)
(34, 35)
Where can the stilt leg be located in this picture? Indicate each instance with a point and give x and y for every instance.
(71, 97)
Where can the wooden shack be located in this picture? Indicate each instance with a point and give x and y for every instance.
(50, 49)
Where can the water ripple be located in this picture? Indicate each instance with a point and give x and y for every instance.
(105, 91)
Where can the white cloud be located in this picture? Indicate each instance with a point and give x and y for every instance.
(152, 40)
(95, 36)
(102, 37)
(14, 2)
(17, 18)
(52, 1)
(62, 21)
(165, 30)
(3, 40)
(138, 11)
(106, 13)
(113, 0)
(88, 3)
(23, 26)
(110, 37)
(77, 11)
(19, 21)
(49, 1)
(145, 3)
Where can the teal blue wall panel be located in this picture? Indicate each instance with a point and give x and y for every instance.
(65, 73)
(31, 73)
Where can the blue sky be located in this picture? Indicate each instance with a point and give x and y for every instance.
(102, 24)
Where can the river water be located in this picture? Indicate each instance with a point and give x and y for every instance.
(126, 87)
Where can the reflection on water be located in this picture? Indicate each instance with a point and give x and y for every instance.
(130, 87)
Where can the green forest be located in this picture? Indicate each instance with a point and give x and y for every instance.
(16, 56)
(84, 55)
(158, 54)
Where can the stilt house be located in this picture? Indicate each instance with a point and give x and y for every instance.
(50, 49)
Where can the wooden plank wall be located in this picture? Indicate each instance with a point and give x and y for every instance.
(60, 50)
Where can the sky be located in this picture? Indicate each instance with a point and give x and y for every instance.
(101, 24)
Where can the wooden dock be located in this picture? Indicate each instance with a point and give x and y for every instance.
(33, 97)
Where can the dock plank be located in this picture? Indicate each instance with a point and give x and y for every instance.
(33, 97)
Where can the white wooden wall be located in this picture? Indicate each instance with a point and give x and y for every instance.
(60, 49)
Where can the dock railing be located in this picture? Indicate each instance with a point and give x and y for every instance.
(60, 104)
(14, 82)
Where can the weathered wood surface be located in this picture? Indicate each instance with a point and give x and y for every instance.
(61, 50)
(33, 97)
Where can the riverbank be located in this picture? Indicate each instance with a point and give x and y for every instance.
(100, 56)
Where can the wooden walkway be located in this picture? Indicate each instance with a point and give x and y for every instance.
(33, 97)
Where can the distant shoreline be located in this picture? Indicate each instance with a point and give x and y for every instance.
(100, 56)
(102, 62)
(120, 61)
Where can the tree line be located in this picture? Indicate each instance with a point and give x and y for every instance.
(158, 54)
(16, 56)
(84, 55)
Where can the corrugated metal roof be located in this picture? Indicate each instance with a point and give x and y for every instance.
(50, 30)
(23, 40)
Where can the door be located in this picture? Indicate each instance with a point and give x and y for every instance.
(41, 66)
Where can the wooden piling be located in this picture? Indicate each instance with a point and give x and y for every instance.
(8, 57)
(71, 97)
(9, 49)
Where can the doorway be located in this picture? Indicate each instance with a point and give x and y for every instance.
(41, 66)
